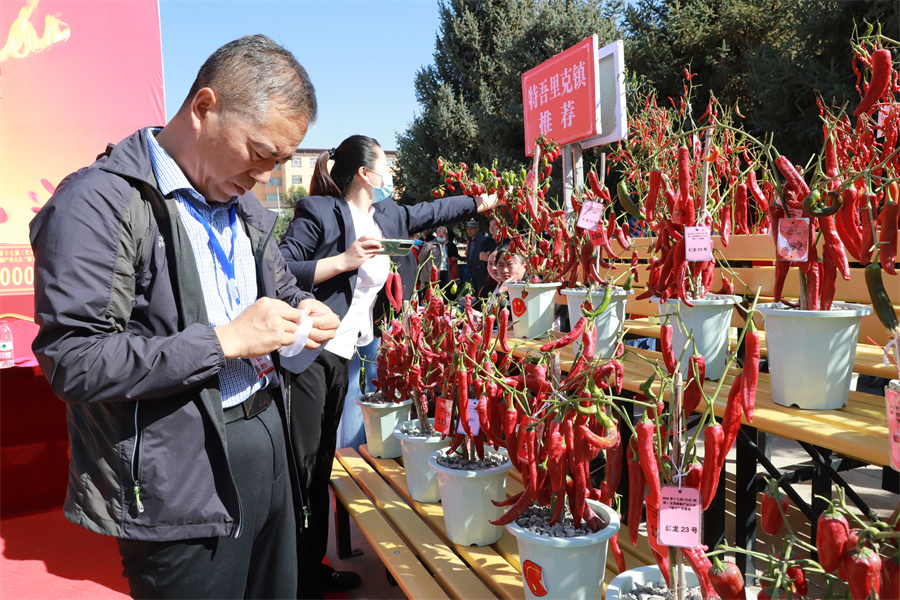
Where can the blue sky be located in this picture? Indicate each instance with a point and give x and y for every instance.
(361, 56)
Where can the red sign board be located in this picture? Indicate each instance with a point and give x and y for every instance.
(561, 96)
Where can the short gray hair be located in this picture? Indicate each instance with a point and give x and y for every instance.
(251, 74)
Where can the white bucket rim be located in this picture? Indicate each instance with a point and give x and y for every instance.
(838, 310)
(417, 438)
(538, 286)
(432, 462)
(591, 539)
(715, 300)
(385, 405)
(617, 291)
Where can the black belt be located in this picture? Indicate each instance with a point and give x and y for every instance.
(250, 407)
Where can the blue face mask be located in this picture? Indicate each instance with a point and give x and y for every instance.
(386, 190)
(440, 240)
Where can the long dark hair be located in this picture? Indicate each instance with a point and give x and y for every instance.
(354, 152)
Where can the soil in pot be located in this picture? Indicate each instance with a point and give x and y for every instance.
(536, 519)
(658, 591)
(462, 463)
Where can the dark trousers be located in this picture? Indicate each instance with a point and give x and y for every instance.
(317, 401)
(262, 561)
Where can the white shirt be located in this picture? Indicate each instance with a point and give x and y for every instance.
(356, 326)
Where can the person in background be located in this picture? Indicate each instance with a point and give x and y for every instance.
(161, 298)
(440, 251)
(332, 247)
(510, 267)
(477, 266)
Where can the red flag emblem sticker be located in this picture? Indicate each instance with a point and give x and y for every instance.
(534, 578)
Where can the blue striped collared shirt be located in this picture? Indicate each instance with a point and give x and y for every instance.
(237, 380)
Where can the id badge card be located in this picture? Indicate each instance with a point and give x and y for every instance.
(263, 365)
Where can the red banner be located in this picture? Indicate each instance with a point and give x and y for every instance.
(561, 96)
(75, 75)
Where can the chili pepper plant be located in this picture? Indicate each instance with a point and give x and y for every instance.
(861, 560)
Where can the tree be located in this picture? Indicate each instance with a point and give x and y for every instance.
(769, 57)
(471, 97)
(287, 210)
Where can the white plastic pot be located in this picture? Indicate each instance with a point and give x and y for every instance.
(709, 320)
(608, 324)
(420, 479)
(379, 420)
(572, 567)
(811, 353)
(626, 581)
(466, 498)
(540, 300)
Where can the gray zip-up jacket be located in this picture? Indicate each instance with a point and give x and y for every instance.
(125, 341)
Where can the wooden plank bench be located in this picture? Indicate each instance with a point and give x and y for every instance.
(412, 534)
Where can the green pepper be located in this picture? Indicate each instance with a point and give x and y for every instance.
(881, 303)
(814, 206)
(629, 283)
(628, 202)
(647, 388)
(607, 296)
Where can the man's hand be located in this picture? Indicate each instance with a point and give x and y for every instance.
(325, 322)
(266, 325)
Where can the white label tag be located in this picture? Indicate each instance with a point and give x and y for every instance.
(679, 517)
(474, 421)
(590, 215)
(442, 412)
(892, 399)
(697, 243)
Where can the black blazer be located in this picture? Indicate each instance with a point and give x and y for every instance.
(323, 227)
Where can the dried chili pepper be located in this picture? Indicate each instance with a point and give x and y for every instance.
(879, 82)
(727, 579)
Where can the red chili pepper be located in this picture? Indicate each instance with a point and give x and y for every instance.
(848, 225)
(684, 213)
(649, 462)
(812, 286)
(398, 290)
(794, 181)
(694, 474)
(693, 394)
(523, 502)
(613, 476)
(834, 246)
(757, 193)
(771, 519)
(665, 342)
(617, 553)
(750, 374)
(863, 567)
(832, 532)
(827, 282)
(660, 552)
(567, 338)
(636, 485)
(887, 237)
(503, 330)
(713, 440)
(799, 585)
(727, 580)
(890, 576)
(389, 290)
(594, 183)
(725, 225)
(731, 420)
(740, 206)
(880, 81)
(701, 566)
(652, 194)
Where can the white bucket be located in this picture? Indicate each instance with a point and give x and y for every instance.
(626, 581)
(608, 324)
(540, 300)
(811, 353)
(421, 480)
(565, 567)
(379, 420)
(466, 499)
(709, 320)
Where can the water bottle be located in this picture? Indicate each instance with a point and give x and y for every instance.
(6, 348)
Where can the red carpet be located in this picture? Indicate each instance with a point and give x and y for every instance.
(44, 556)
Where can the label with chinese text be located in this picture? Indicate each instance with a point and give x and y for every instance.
(679, 517)
(472, 414)
(590, 215)
(892, 399)
(697, 243)
(793, 240)
(442, 410)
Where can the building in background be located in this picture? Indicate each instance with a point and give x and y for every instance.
(296, 172)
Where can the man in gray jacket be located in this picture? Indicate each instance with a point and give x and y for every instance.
(161, 298)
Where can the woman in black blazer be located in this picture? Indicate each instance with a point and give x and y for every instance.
(332, 248)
